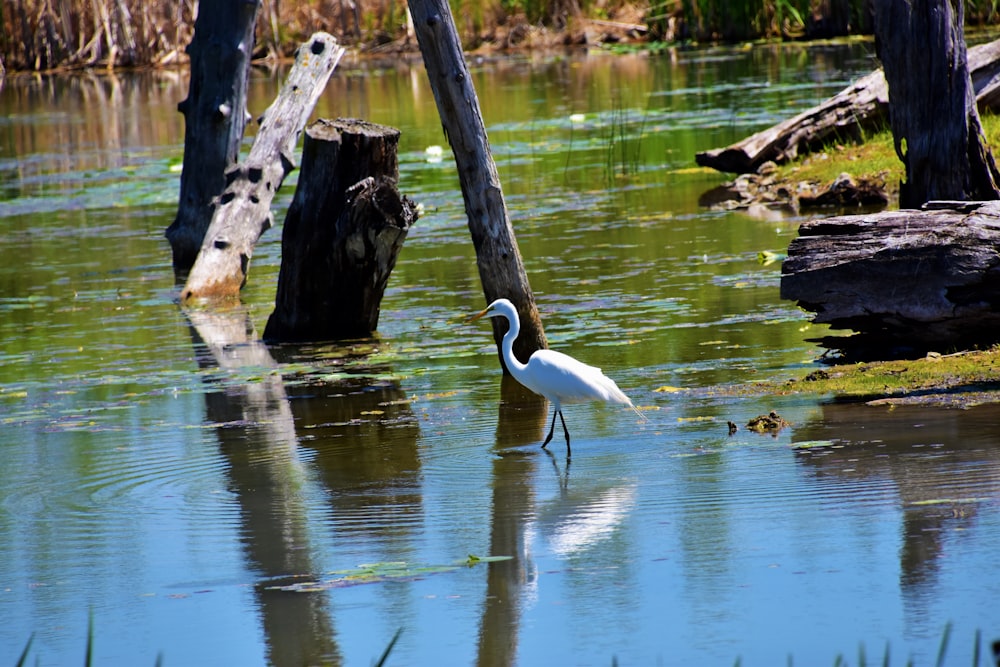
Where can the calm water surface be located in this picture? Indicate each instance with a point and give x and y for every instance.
(209, 500)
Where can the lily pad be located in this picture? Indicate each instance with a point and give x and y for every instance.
(372, 573)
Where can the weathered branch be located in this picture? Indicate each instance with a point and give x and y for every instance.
(500, 267)
(243, 212)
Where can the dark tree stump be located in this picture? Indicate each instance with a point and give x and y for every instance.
(243, 210)
(215, 116)
(923, 280)
(932, 106)
(343, 232)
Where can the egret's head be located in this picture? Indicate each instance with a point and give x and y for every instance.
(489, 311)
(499, 308)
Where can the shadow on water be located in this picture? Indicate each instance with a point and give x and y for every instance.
(255, 427)
(569, 524)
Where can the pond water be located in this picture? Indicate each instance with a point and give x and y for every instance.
(196, 497)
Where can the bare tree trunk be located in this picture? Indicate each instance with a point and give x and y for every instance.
(243, 212)
(343, 232)
(932, 106)
(215, 116)
(501, 269)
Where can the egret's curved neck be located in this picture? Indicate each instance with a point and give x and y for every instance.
(507, 346)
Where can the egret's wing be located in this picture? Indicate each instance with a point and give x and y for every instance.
(560, 377)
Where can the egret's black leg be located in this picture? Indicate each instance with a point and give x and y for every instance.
(565, 430)
(552, 429)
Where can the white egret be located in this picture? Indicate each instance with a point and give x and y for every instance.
(558, 377)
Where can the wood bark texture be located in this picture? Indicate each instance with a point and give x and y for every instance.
(342, 235)
(862, 105)
(932, 110)
(243, 211)
(501, 269)
(919, 278)
(215, 116)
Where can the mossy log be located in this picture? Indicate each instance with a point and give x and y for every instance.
(342, 235)
(916, 280)
(243, 210)
(863, 104)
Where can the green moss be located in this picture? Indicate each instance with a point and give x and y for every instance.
(970, 376)
(874, 156)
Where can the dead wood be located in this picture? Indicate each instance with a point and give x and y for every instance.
(501, 269)
(215, 117)
(846, 115)
(342, 235)
(919, 279)
(243, 211)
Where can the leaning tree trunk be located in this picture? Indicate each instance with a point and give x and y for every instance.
(215, 116)
(932, 108)
(343, 232)
(243, 212)
(500, 267)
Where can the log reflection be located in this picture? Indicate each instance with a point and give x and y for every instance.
(520, 429)
(256, 432)
(942, 462)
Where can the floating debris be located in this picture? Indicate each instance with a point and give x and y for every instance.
(772, 422)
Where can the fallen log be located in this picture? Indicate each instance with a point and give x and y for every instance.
(243, 211)
(862, 105)
(915, 280)
(343, 231)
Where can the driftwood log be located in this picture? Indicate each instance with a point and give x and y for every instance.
(909, 279)
(342, 234)
(215, 116)
(501, 269)
(861, 105)
(243, 211)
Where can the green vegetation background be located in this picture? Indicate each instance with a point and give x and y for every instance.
(42, 35)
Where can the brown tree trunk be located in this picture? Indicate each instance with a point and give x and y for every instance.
(215, 116)
(500, 267)
(343, 232)
(932, 109)
(243, 211)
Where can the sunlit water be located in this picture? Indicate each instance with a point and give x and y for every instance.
(208, 500)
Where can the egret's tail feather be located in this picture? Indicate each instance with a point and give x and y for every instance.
(642, 415)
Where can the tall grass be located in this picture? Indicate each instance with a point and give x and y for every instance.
(49, 34)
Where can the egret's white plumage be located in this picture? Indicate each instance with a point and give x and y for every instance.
(558, 377)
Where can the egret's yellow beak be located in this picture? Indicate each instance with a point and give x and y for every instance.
(481, 314)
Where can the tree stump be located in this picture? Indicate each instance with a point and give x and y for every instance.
(243, 210)
(906, 280)
(343, 232)
(215, 116)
